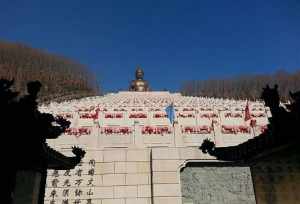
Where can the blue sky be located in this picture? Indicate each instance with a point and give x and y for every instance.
(173, 40)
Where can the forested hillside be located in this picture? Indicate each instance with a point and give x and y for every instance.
(243, 87)
(62, 78)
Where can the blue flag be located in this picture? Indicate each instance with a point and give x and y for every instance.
(170, 113)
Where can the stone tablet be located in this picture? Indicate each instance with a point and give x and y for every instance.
(217, 185)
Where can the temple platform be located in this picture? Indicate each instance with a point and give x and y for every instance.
(135, 155)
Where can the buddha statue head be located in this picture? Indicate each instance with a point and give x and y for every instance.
(139, 74)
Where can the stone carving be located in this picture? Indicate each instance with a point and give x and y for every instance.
(282, 129)
(216, 185)
(283, 124)
(26, 129)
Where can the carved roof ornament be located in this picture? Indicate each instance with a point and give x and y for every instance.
(36, 126)
(280, 136)
(271, 96)
(139, 84)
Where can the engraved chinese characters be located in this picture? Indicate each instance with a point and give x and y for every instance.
(76, 186)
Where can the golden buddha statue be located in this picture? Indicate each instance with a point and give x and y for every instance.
(139, 84)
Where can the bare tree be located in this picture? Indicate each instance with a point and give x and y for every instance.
(60, 76)
(244, 86)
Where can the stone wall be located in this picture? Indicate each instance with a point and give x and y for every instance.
(110, 176)
(166, 166)
(123, 176)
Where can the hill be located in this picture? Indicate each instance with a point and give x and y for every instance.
(243, 87)
(62, 78)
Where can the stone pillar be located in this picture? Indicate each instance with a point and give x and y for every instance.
(178, 135)
(28, 187)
